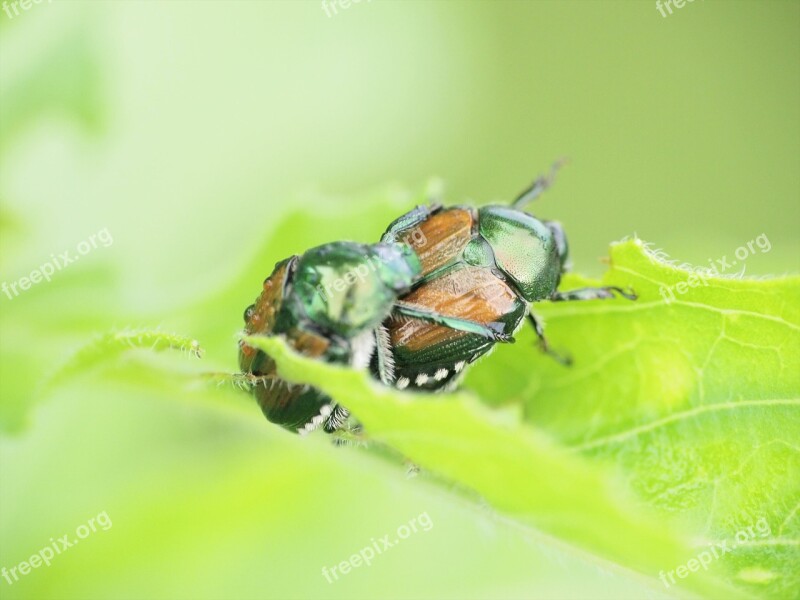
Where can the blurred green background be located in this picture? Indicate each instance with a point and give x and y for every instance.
(190, 129)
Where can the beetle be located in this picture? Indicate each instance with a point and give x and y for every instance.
(329, 303)
(486, 265)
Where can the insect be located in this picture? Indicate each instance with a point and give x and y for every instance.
(330, 303)
(484, 265)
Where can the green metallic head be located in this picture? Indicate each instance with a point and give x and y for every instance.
(529, 251)
(346, 288)
(326, 303)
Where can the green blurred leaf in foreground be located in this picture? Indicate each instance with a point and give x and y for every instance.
(694, 401)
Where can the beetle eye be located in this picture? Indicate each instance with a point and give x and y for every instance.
(249, 312)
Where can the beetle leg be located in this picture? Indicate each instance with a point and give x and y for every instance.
(410, 220)
(593, 294)
(436, 273)
(544, 346)
(242, 381)
(493, 331)
(539, 185)
(350, 435)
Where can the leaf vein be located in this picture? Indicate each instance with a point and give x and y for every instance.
(681, 416)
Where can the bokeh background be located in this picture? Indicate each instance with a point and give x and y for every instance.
(191, 129)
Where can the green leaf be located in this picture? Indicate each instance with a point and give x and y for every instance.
(109, 346)
(693, 403)
(696, 399)
(518, 471)
(620, 452)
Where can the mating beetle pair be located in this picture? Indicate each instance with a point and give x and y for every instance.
(442, 287)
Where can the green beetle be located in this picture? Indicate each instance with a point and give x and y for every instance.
(484, 265)
(329, 304)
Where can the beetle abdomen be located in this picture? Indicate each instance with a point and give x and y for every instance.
(427, 355)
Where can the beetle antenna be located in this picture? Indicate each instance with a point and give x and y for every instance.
(539, 185)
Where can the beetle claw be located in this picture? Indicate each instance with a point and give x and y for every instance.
(626, 293)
